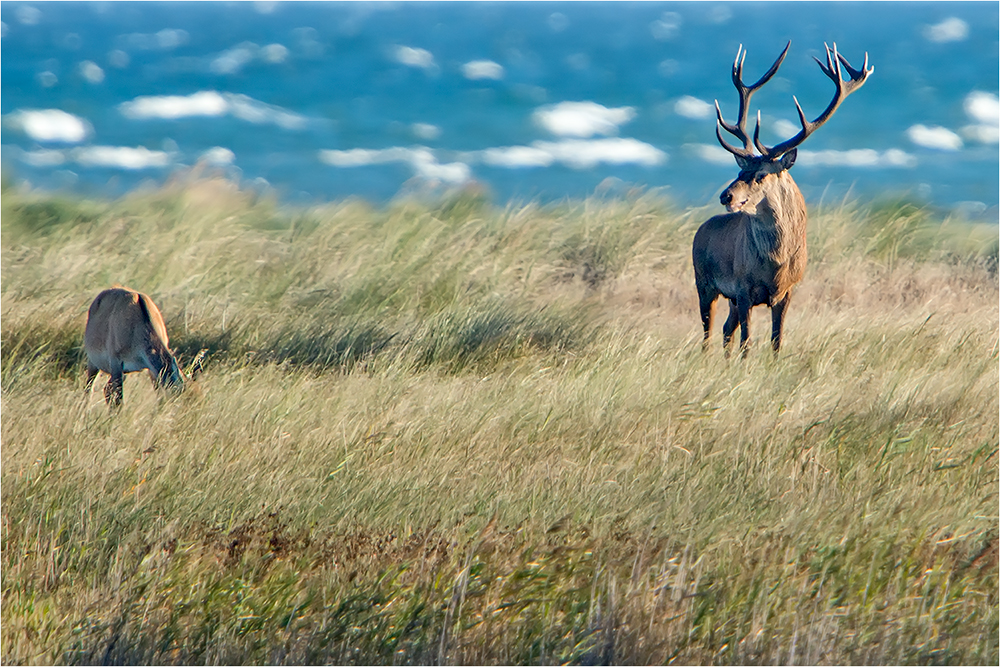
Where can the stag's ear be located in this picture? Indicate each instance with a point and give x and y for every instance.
(744, 162)
(788, 159)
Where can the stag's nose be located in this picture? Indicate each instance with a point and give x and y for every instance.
(726, 198)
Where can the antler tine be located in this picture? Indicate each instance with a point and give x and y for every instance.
(735, 130)
(756, 136)
(833, 71)
(739, 130)
(856, 74)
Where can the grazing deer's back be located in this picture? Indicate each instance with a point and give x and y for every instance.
(121, 322)
(154, 318)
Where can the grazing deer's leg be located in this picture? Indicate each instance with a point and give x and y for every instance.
(156, 376)
(778, 321)
(92, 372)
(707, 303)
(729, 328)
(113, 390)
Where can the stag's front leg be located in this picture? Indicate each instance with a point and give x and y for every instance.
(729, 328)
(778, 321)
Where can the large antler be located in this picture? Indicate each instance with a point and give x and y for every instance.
(844, 88)
(740, 129)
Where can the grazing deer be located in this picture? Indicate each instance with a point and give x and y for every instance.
(756, 253)
(125, 333)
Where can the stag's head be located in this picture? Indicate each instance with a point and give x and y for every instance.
(764, 174)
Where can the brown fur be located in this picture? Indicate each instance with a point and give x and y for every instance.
(125, 333)
(753, 255)
(756, 253)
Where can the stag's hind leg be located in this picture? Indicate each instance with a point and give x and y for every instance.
(706, 301)
(742, 311)
(729, 328)
(778, 321)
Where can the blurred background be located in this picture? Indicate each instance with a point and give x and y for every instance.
(527, 101)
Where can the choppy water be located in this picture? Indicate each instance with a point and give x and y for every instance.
(532, 100)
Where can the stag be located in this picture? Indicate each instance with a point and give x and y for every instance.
(125, 333)
(754, 254)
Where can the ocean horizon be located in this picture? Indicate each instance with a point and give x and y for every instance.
(318, 101)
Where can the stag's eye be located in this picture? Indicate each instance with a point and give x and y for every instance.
(759, 177)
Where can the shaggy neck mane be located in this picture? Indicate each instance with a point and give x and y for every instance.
(778, 225)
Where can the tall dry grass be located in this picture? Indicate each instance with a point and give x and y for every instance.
(454, 432)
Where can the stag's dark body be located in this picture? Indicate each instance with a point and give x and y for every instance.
(756, 253)
(752, 256)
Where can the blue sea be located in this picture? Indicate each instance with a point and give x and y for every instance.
(541, 101)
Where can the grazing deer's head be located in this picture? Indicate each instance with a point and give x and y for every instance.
(756, 253)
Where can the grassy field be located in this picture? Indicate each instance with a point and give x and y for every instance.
(464, 433)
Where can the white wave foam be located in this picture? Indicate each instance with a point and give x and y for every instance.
(164, 40)
(231, 61)
(720, 14)
(50, 125)
(860, 157)
(306, 42)
(575, 153)
(426, 131)
(863, 157)
(218, 156)
(361, 157)
(585, 154)
(172, 107)
(118, 58)
(421, 159)
(711, 153)
(952, 29)
(482, 69)
(47, 79)
(29, 15)
(91, 71)
(983, 134)
(513, 157)
(452, 172)
(785, 128)
(557, 22)
(274, 53)
(667, 27)
(692, 107)
(414, 57)
(982, 107)
(43, 157)
(213, 104)
(169, 38)
(940, 138)
(582, 119)
(120, 157)
(254, 111)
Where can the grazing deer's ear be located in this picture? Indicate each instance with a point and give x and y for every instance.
(788, 159)
(743, 162)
